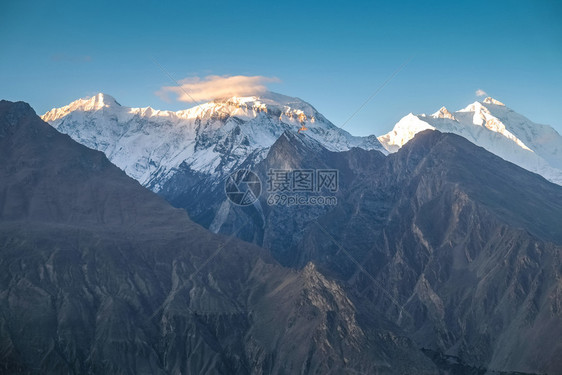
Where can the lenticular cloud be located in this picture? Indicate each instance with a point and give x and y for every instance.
(196, 89)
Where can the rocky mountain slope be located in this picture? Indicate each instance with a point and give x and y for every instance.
(497, 128)
(441, 239)
(458, 247)
(100, 275)
(275, 227)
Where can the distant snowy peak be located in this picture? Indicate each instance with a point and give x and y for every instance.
(270, 100)
(245, 107)
(497, 128)
(404, 131)
(482, 116)
(490, 100)
(444, 113)
(93, 103)
(281, 106)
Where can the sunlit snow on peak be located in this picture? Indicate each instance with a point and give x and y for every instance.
(444, 113)
(211, 138)
(490, 100)
(497, 128)
(93, 103)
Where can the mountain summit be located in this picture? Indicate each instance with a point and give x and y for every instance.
(494, 126)
(93, 103)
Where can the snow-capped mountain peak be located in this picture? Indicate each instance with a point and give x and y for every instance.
(490, 100)
(92, 103)
(444, 113)
(269, 100)
(211, 138)
(494, 126)
(403, 131)
(284, 107)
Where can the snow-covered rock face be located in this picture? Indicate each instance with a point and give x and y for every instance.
(495, 127)
(444, 113)
(212, 138)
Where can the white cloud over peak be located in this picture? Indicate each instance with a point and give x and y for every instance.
(481, 92)
(195, 89)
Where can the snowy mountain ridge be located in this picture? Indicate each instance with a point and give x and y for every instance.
(212, 138)
(216, 137)
(495, 127)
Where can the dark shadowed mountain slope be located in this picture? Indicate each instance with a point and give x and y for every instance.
(99, 275)
(458, 247)
(462, 248)
(276, 227)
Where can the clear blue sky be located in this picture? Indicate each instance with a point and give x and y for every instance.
(331, 54)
